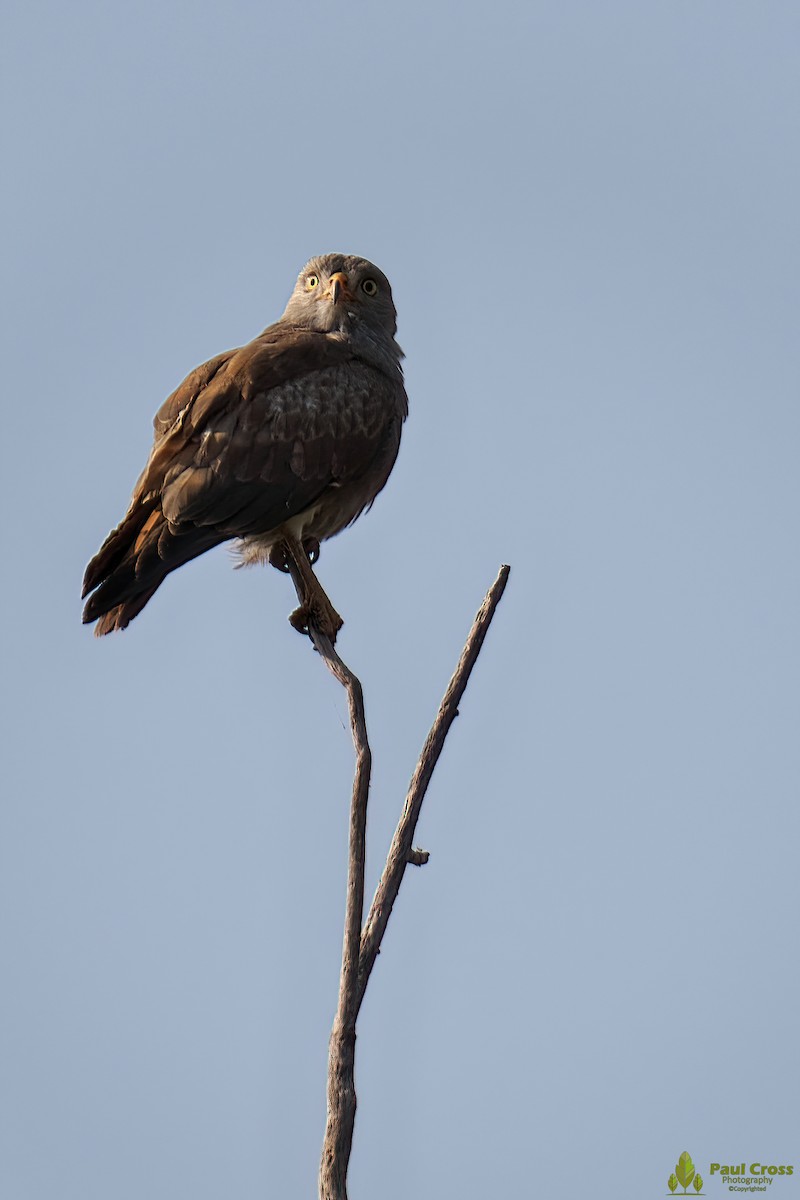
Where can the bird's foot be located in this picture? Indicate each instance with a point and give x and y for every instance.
(319, 612)
(279, 555)
(311, 547)
(316, 610)
(279, 558)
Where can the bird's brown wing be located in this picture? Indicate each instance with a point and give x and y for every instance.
(208, 398)
(248, 440)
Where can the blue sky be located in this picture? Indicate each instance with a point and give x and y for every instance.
(588, 213)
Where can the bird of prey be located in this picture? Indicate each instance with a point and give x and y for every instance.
(280, 444)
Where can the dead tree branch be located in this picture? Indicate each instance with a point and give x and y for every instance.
(342, 1047)
(361, 948)
(400, 851)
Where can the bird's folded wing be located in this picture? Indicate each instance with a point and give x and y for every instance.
(256, 435)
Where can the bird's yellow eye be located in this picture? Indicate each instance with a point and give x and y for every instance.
(312, 282)
(370, 287)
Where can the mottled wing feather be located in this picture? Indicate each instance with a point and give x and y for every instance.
(266, 459)
(188, 392)
(215, 391)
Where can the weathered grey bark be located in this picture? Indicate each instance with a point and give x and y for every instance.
(361, 948)
(400, 851)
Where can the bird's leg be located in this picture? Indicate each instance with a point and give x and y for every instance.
(315, 607)
(279, 559)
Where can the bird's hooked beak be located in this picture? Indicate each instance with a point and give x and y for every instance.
(338, 289)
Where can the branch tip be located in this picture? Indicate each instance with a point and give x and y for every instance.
(417, 857)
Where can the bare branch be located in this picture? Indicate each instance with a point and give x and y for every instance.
(319, 619)
(400, 849)
(342, 1047)
(337, 1145)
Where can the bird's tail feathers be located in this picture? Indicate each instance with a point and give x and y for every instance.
(133, 562)
(121, 615)
(117, 545)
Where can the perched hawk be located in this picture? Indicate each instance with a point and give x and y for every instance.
(280, 444)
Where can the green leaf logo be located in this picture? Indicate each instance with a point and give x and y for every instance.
(697, 1183)
(684, 1169)
(672, 1183)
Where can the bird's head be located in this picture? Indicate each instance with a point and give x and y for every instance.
(342, 293)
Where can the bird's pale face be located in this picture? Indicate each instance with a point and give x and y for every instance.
(339, 291)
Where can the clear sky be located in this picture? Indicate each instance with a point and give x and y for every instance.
(589, 215)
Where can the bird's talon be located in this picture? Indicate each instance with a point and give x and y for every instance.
(299, 618)
(311, 547)
(278, 558)
(325, 619)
